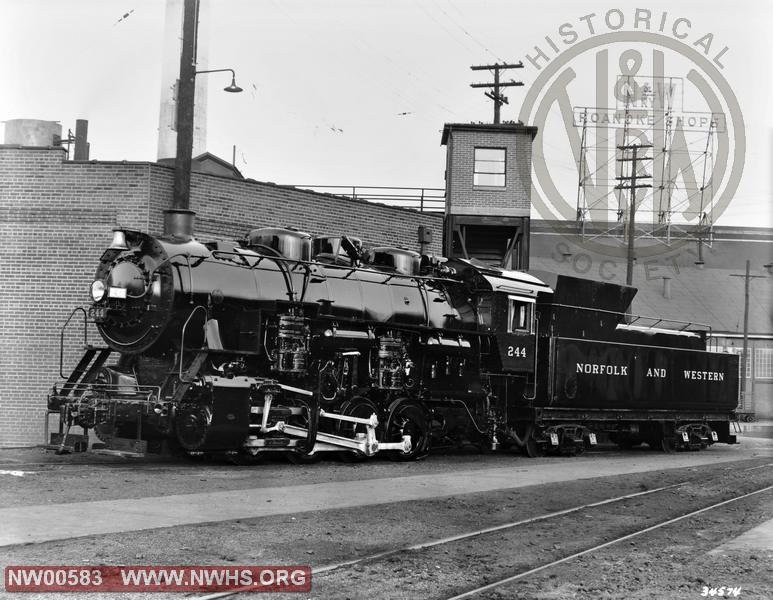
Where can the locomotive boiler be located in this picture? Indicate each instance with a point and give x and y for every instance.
(280, 342)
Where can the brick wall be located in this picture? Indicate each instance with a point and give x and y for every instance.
(464, 198)
(56, 219)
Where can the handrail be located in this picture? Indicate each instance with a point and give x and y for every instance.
(186, 255)
(636, 318)
(424, 199)
(309, 263)
(147, 391)
(182, 339)
(61, 336)
(278, 260)
(536, 363)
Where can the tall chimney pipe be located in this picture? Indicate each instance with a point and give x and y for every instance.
(178, 220)
(81, 140)
(185, 104)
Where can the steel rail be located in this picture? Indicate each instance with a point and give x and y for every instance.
(501, 582)
(439, 542)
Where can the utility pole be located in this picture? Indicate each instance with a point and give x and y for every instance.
(744, 358)
(498, 98)
(186, 89)
(632, 186)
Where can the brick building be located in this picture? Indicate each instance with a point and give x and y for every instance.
(56, 218)
(488, 191)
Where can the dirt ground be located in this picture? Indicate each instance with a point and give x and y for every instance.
(48, 478)
(668, 563)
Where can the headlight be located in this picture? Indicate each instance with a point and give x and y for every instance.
(155, 288)
(97, 290)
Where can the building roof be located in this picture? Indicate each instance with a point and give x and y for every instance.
(210, 164)
(510, 126)
(670, 283)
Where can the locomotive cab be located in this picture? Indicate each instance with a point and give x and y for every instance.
(513, 318)
(506, 306)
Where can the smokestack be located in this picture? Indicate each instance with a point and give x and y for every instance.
(178, 222)
(81, 140)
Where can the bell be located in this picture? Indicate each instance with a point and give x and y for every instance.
(119, 240)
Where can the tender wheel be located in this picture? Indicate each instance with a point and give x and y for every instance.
(532, 449)
(408, 418)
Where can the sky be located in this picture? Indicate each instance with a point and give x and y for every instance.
(356, 92)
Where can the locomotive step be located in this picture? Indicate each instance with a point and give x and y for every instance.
(72, 443)
(119, 453)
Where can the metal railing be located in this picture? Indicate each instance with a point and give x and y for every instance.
(421, 199)
(644, 321)
(125, 391)
(63, 330)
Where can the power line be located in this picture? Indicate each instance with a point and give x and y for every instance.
(467, 33)
(444, 28)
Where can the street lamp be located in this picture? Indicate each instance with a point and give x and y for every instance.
(233, 88)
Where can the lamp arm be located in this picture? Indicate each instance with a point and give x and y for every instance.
(231, 71)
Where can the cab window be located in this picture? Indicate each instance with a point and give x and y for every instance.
(520, 314)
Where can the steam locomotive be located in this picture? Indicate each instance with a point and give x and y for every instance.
(284, 342)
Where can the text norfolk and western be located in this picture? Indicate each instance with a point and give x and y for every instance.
(659, 373)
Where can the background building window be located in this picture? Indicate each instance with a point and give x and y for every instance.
(763, 363)
(489, 167)
(739, 351)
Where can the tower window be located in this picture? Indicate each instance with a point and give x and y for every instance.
(489, 167)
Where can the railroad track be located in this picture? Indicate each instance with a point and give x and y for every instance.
(46, 467)
(512, 578)
(322, 572)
